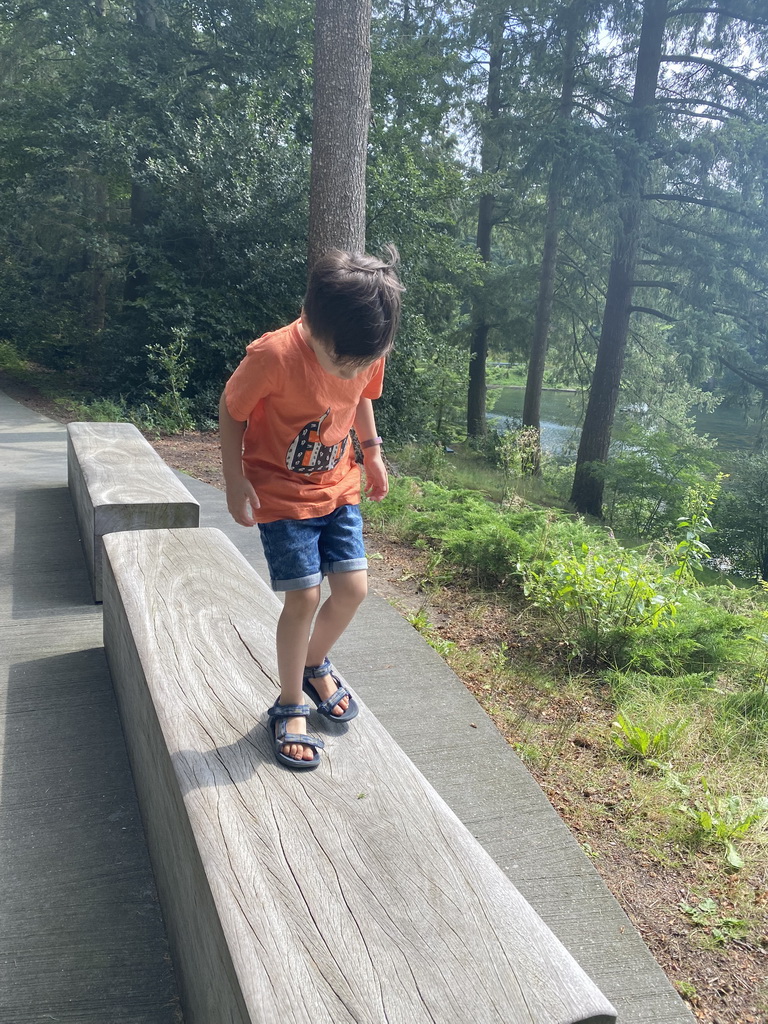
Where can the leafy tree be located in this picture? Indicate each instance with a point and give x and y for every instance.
(741, 515)
(661, 152)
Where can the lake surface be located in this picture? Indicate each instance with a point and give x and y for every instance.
(562, 413)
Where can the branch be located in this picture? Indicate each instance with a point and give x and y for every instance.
(710, 204)
(671, 286)
(703, 117)
(755, 83)
(697, 101)
(736, 15)
(734, 314)
(653, 312)
(757, 381)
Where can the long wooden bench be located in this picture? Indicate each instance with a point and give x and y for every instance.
(118, 482)
(348, 894)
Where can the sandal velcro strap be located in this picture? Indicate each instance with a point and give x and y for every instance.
(284, 738)
(289, 711)
(318, 671)
(328, 705)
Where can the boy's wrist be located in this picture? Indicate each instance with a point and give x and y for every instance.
(372, 442)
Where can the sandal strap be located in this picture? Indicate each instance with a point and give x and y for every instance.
(329, 704)
(306, 741)
(289, 711)
(282, 737)
(318, 671)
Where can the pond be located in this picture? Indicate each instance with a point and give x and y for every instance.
(562, 412)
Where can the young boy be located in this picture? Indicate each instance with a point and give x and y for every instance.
(289, 466)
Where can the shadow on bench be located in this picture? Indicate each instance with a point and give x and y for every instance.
(349, 894)
(118, 482)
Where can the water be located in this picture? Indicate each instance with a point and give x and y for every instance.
(562, 412)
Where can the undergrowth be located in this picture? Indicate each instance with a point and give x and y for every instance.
(682, 664)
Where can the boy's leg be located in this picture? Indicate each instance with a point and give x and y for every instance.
(348, 591)
(293, 630)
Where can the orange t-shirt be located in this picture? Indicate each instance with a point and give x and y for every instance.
(297, 451)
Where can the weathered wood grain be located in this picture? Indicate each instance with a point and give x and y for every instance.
(119, 482)
(349, 894)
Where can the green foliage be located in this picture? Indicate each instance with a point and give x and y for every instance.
(644, 742)
(723, 819)
(741, 723)
(421, 622)
(9, 357)
(706, 914)
(490, 549)
(649, 474)
(691, 552)
(170, 370)
(513, 452)
(741, 514)
(687, 688)
(702, 637)
(470, 532)
(599, 600)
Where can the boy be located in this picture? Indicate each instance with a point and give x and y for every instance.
(289, 466)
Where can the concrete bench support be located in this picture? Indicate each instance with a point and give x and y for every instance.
(118, 482)
(348, 894)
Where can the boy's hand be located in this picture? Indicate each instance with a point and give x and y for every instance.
(242, 501)
(376, 480)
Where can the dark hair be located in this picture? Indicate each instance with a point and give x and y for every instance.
(352, 304)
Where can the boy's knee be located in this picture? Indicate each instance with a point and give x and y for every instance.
(350, 587)
(301, 603)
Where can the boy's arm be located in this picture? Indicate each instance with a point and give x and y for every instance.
(241, 497)
(376, 482)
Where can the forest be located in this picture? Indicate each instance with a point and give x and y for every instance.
(575, 187)
(578, 192)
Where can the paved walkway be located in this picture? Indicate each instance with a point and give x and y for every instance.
(81, 935)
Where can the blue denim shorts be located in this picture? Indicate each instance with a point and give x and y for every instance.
(300, 552)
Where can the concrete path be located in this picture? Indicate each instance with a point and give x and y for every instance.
(81, 936)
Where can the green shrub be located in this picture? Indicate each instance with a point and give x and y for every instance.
(491, 551)
(701, 637)
(600, 600)
(9, 357)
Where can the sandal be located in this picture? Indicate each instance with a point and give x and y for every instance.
(325, 707)
(278, 714)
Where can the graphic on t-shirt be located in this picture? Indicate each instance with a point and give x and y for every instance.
(308, 454)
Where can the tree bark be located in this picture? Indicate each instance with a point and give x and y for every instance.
(340, 119)
(587, 492)
(540, 340)
(477, 423)
(142, 204)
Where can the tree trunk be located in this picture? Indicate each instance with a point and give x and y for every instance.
(340, 118)
(97, 306)
(477, 423)
(142, 211)
(540, 341)
(587, 492)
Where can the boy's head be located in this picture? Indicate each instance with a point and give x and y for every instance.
(352, 305)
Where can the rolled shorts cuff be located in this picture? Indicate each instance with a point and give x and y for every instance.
(348, 565)
(304, 583)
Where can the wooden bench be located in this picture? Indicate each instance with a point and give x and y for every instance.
(347, 894)
(118, 482)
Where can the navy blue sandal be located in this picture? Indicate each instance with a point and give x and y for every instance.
(277, 719)
(325, 707)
